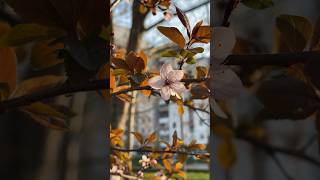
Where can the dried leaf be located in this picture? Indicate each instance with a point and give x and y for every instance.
(135, 63)
(146, 92)
(8, 67)
(151, 138)
(173, 34)
(226, 154)
(202, 35)
(199, 91)
(167, 165)
(44, 55)
(184, 20)
(178, 166)
(296, 31)
(287, 98)
(138, 136)
(25, 33)
(47, 115)
(36, 84)
(222, 130)
(182, 158)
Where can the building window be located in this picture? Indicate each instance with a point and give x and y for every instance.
(174, 125)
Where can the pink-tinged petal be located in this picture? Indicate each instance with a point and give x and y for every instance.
(226, 85)
(156, 82)
(165, 70)
(224, 40)
(178, 87)
(165, 93)
(175, 75)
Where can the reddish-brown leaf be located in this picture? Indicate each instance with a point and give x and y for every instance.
(184, 20)
(173, 34)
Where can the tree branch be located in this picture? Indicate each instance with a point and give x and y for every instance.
(186, 11)
(66, 88)
(187, 81)
(280, 59)
(69, 88)
(280, 166)
(157, 151)
(275, 149)
(232, 4)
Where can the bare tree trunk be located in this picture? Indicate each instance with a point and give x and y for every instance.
(48, 169)
(124, 116)
(137, 27)
(78, 105)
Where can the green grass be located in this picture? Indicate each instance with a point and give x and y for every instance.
(191, 175)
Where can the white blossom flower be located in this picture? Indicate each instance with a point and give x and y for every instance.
(145, 162)
(224, 40)
(169, 82)
(225, 83)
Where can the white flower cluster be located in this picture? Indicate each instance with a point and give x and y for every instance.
(116, 170)
(147, 162)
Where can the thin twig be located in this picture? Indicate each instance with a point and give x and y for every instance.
(66, 88)
(308, 143)
(280, 166)
(114, 4)
(187, 81)
(230, 7)
(186, 11)
(279, 59)
(201, 119)
(275, 149)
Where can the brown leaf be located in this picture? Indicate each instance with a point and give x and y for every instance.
(222, 130)
(146, 92)
(145, 59)
(138, 136)
(226, 154)
(167, 165)
(36, 84)
(202, 35)
(135, 63)
(125, 97)
(199, 91)
(46, 115)
(151, 138)
(52, 123)
(286, 98)
(182, 158)
(180, 108)
(202, 72)
(296, 31)
(182, 174)
(44, 55)
(173, 34)
(196, 28)
(197, 147)
(120, 63)
(178, 166)
(184, 20)
(174, 138)
(8, 67)
(73, 16)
